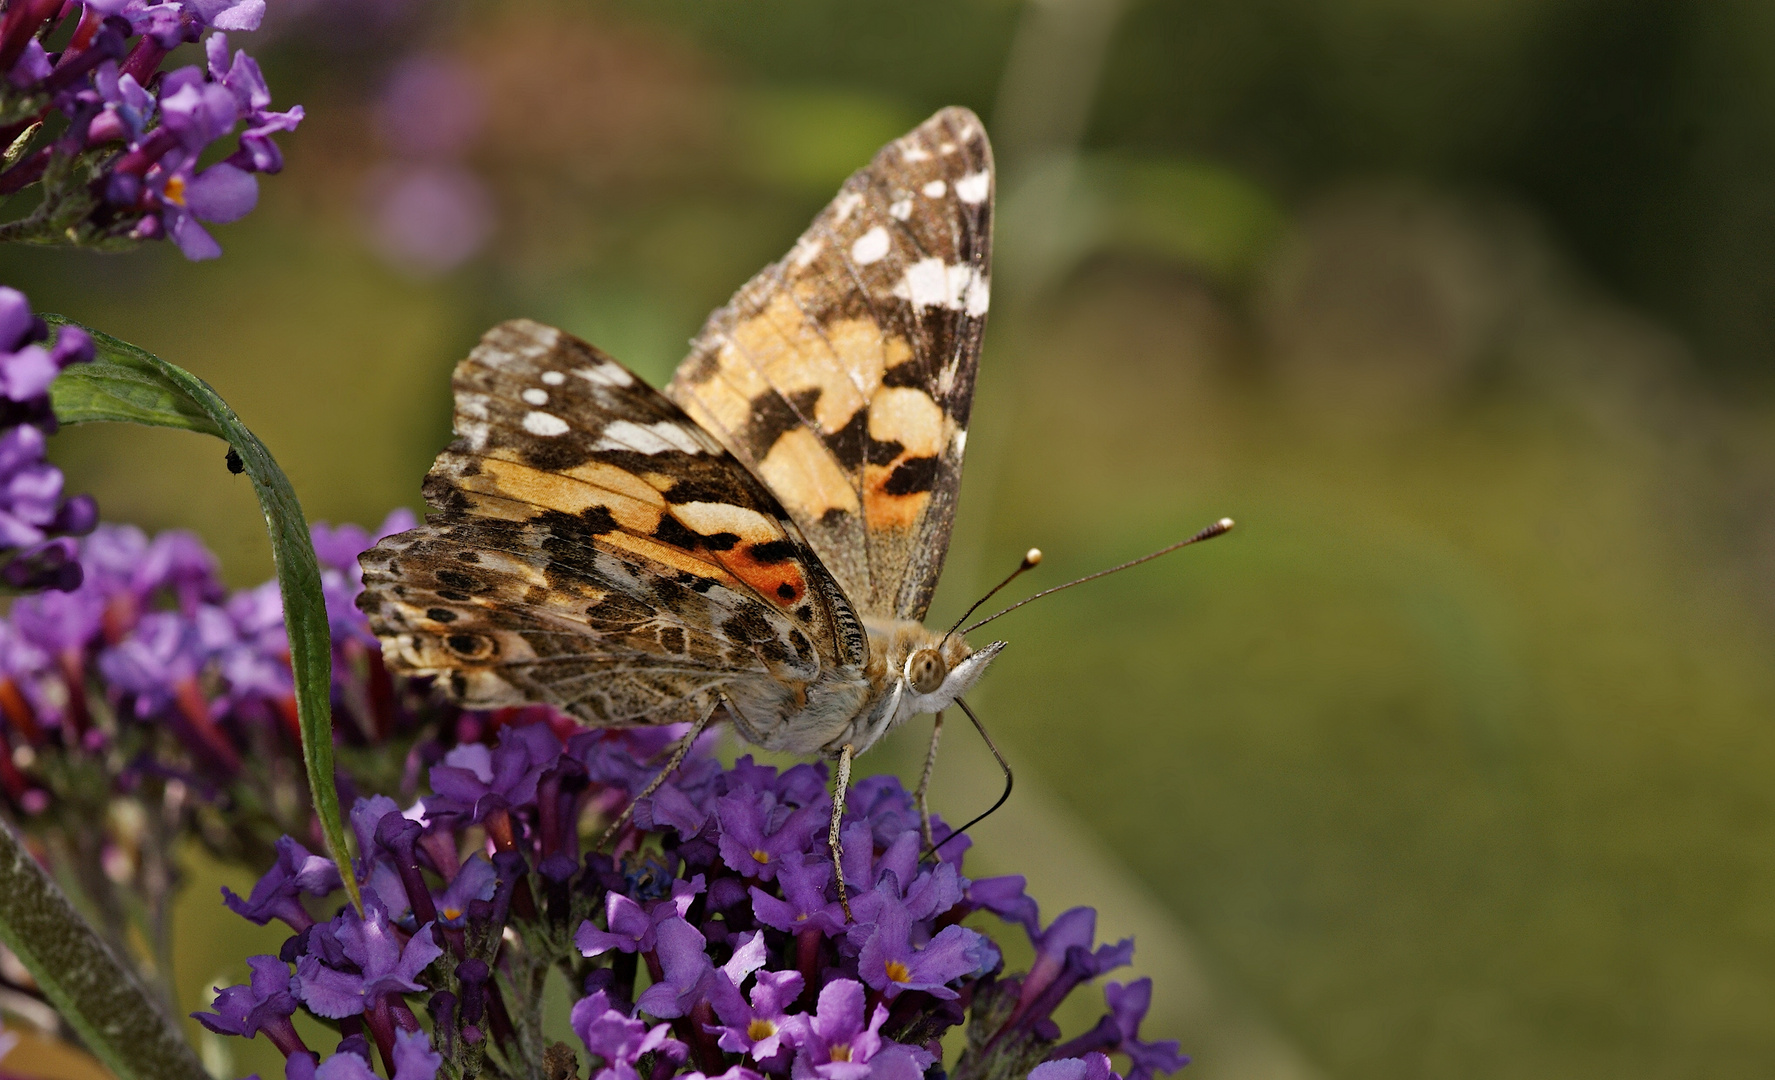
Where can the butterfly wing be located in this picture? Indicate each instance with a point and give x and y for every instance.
(844, 374)
(592, 548)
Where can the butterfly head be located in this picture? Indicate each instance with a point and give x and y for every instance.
(934, 675)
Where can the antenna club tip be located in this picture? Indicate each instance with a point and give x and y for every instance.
(1033, 557)
(1224, 524)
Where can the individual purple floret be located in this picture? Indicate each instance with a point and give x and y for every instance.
(1064, 958)
(891, 963)
(759, 1027)
(631, 928)
(278, 894)
(353, 963)
(264, 1004)
(836, 1043)
(1119, 1032)
(758, 833)
(804, 905)
(619, 1041)
(477, 784)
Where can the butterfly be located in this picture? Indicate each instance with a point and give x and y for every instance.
(761, 539)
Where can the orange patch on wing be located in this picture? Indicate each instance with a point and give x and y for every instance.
(885, 511)
(567, 494)
(782, 583)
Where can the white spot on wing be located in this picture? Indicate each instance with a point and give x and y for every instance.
(605, 375)
(654, 438)
(534, 396)
(900, 210)
(915, 154)
(553, 378)
(871, 247)
(961, 442)
(547, 425)
(946, 380)
(946, 149)
(979, 295)
(935, 189)
(973, 187)
(844, 206)
(807, 249)
(931, 283)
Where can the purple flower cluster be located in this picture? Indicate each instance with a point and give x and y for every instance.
(150, 656)
(711, 943)
(37, 522)
(123, 165)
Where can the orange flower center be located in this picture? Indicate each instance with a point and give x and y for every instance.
(841, 1052)
(759, 1030)
(761, 856)
(897, 971)
(175, 190)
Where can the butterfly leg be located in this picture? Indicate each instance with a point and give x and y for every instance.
(838, 792)
(924, 784)
(678, 754)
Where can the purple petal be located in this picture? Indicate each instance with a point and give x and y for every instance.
(414, 1059)
(222, 193)
(194, 243)
(27, 373)
(16, 320)
(344, 1066)
(228, 14)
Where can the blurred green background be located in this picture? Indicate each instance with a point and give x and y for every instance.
(1456, 757)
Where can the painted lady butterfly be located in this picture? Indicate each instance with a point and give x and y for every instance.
(761, 540)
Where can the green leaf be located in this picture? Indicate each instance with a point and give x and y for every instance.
(124, 383)
(92, 989)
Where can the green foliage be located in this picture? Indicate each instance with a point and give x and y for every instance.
(127, 384)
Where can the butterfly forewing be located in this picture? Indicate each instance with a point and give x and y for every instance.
(843, 375)
(591, 547)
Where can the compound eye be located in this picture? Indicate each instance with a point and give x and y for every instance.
(927, 670)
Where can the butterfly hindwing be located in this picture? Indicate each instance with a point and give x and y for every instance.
(844, 374)
(592, 548)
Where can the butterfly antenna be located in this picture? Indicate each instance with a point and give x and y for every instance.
(1002, 764)
(1031, 559)
(1212, 531)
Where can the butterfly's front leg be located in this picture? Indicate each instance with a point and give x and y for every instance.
(838, 792)
(678, 754)
(924, 785)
